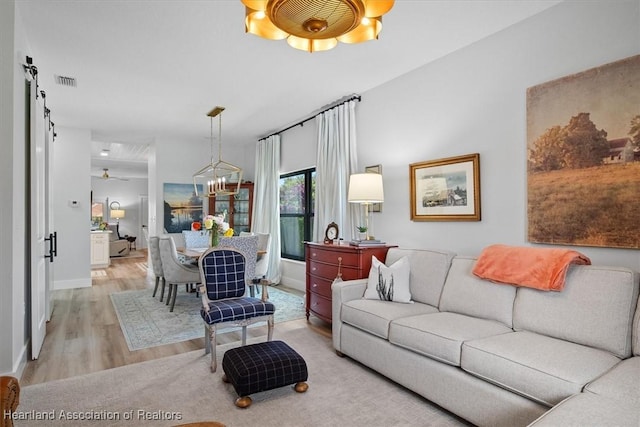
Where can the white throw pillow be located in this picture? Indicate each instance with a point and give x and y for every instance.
(389, 283)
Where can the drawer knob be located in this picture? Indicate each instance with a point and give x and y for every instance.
(315, 285)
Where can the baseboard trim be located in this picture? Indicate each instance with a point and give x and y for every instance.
(19, 365)
(72, 284)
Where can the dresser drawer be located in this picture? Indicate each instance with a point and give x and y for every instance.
(320, 285)
(329, 271)
(332, 257)
(320, 306)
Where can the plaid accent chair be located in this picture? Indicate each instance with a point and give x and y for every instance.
(223, 288)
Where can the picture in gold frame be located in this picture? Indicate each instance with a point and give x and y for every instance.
(446, 189)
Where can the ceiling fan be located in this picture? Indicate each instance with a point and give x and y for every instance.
(106, 176)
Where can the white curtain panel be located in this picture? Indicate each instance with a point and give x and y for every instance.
(336, 161)
(266, 200)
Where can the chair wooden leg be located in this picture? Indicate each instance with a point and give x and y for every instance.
(169, 293)
(155, 289)
(207, 339)
(270, 328)
(164, 282)
(173, 299)
(212, 339)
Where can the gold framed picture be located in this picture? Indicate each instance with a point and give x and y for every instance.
(446, 189)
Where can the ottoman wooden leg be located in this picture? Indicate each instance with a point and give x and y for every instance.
(301, 387)
(243, 402)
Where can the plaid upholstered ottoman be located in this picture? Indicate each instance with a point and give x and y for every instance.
(261, 367)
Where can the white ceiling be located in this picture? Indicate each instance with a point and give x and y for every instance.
(148, 69)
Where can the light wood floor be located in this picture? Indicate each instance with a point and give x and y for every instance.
(84, 335)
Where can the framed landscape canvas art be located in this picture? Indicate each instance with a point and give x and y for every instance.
(181, 206)
(446, 189)
(583, 158)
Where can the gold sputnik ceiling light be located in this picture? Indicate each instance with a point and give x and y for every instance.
(316, 25)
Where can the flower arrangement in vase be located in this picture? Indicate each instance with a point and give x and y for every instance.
(217, 227)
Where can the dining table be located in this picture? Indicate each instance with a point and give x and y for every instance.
(196, 253)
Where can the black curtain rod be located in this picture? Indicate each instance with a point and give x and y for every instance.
(302, 122)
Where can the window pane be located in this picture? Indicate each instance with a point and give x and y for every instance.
(292, 195)
(292, 235)
(313, 193)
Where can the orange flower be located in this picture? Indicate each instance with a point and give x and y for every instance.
(196, 226)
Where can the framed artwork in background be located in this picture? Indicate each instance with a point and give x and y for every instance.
(446, 189)
(375, 207)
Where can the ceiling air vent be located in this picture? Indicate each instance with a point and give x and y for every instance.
(66, 81)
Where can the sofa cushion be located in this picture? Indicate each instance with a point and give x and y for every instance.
(542, 368)
(440, 335)
(595, 308)
(374, 316)
(465, 293)
(622, 382)
(429, 270)
(389, 283)
(587, 409)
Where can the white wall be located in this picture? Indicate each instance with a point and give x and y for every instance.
(13, 50)
(72, 181)
(474, 101)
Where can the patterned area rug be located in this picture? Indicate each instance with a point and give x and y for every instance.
(147, 322)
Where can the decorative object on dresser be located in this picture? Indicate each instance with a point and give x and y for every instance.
(323, 265)
(366, 189)
(331, 233)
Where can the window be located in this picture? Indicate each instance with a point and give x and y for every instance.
(297, 197)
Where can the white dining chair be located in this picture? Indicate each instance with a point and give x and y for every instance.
(175, 272)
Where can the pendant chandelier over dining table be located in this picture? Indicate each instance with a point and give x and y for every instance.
(316, 25)
(219, 178)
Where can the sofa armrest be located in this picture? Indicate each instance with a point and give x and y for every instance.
(342, 292)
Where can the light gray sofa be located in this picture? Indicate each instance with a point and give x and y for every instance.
(501, 355)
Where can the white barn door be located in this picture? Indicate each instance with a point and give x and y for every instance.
(37, 212)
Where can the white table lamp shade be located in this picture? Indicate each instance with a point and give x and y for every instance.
(365, 188)
(117, 213)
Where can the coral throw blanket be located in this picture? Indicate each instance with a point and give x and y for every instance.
(538, 268)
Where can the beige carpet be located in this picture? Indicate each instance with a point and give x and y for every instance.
(181, 389)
